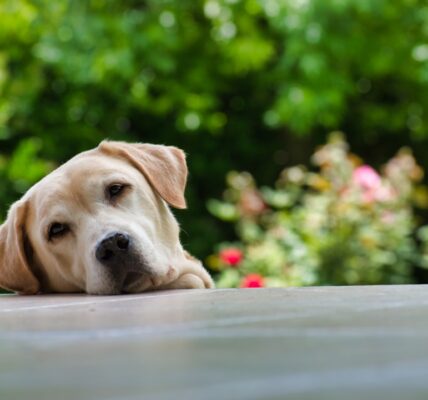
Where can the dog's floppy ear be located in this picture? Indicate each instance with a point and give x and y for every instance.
(163, 166)
(15, 272)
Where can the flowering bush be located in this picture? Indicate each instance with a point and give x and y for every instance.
(344, 224)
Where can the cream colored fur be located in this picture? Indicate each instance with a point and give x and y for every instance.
(75, 194)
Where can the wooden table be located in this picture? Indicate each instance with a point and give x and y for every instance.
(312, 343)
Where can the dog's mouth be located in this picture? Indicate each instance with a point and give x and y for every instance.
(135, 282)
(132, 278)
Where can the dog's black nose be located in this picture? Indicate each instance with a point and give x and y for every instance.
(112, 247)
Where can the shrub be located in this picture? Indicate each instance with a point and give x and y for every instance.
(228, 81)
(343, 224)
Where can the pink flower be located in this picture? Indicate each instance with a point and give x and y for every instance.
(232, 256)
(251, 203)
(370, 183)
(252, 281)
(388, 218)
(385, 194)
(366, 177)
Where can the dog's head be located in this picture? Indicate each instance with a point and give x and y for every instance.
(100, 223)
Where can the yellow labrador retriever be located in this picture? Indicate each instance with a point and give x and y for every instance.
(100, 224)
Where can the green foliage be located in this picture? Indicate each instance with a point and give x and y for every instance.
(22, 169)
(230, 81)
(345, 224)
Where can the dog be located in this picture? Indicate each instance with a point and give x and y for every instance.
(101, 224)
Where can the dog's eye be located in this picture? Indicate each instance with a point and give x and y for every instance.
(57, 229)
(115, 190)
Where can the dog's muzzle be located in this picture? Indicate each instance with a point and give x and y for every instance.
(123, 263)
(114, 250)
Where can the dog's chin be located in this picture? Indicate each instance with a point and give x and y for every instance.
(133, 283)
(136, 282)
(109, 290)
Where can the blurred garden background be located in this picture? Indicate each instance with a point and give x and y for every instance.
(250, 89)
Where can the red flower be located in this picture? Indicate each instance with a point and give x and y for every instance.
(252, 281)
(231, 256)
